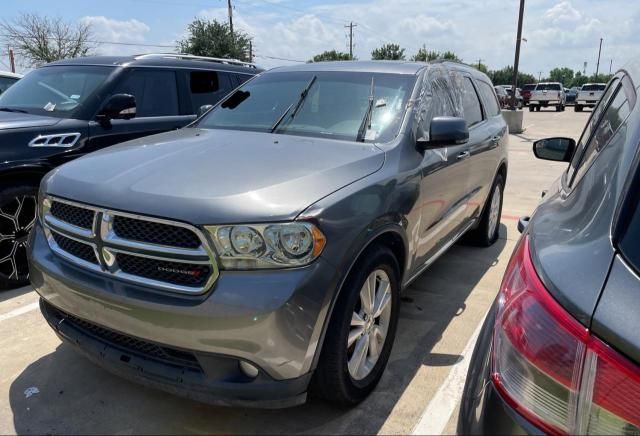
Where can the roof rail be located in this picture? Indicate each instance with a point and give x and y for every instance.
(198, 58)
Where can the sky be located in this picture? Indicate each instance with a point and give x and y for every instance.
(558, 32)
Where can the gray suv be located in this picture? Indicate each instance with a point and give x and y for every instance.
(259, 253)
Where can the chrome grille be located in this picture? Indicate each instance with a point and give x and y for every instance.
(163, 254)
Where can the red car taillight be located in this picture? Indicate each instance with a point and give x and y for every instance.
(550, 369)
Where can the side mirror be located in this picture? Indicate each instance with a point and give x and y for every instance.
(203, 109)
(445, 131)
(118, 107)
(556, 149)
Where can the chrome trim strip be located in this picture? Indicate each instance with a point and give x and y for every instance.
(45, 140)
(107, 244)
(64, 227)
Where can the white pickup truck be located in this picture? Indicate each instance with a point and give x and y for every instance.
(589, 95)
(547, 94)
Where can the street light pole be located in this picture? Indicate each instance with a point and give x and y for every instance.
(599, 53)
(517, 59)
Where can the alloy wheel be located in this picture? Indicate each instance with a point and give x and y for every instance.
(17, 217)
(494, 211)
(369, 325)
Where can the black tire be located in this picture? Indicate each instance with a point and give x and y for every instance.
(538, 108)
(531, 108)
(559, 108)
(18, 206)
(332, 379)
(577, 108)
(480, 235)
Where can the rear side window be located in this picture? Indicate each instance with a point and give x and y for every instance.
(155, 91)
(472, 108)
(489, 97)
(208, 87)
(5, 83)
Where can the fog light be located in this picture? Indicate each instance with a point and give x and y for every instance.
(248, 369)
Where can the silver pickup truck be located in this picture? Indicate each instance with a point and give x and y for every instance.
(548, 94)
(589, 95)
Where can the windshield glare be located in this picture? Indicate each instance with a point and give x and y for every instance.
(58, 91)
(335, 106)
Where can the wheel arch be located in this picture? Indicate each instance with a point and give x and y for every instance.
(31, 173)
(392, 236)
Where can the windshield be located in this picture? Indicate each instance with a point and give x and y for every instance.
(334, 107)
(594, 87)
(58, 91)
(549, 87)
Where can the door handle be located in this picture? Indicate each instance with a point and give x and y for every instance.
(464, 155)
(495, 141)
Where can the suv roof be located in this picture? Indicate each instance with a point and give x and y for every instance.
(175, 60)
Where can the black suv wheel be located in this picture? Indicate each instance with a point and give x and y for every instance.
(18, 206)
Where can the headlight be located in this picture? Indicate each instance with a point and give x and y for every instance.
(262, 246)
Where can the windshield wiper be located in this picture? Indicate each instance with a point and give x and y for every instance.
(303, 95)
(9, 109)
(366, 121)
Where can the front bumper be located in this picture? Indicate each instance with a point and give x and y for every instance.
(271, 319)
(544, 102)
(587, 102)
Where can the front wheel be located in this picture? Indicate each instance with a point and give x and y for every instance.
(489, 227)
(18, 205)
(361, 330)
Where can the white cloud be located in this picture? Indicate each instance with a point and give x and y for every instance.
(111, 30)
(563, 12)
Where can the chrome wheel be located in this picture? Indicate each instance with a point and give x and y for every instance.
(369, 325)
(17, 217)
(494, 211)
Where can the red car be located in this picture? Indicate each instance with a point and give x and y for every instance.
(526, 92)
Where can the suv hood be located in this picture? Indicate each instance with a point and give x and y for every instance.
(17, 120)
(215, 176)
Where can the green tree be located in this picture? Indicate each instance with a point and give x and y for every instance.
(425, 55)
(391, 52)
(504, 76)
(331, 56)
(212, 38)
(40, 39)
(563, 75)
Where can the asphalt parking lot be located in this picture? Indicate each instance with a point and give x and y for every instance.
(46, 388)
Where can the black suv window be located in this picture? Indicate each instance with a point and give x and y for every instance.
(630, 242)
(600, 129)
(208, 87)
(471, 103)
(489, 96)
(156, 92)
(6, 82)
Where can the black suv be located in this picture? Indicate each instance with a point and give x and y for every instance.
(70, 108)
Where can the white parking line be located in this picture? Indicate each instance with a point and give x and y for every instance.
(436, 415)
(19, 311)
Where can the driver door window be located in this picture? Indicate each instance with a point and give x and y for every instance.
(156, 92)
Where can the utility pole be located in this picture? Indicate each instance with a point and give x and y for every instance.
(610, 66)
(251, 51)
(230, 16)
(539, 75)
(479, 63)
(517, 59)
(351, 26)
(599, 53)
(12, 61)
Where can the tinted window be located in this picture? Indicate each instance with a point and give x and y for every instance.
(208, 87)
(155, 91)
(590, 127)
(242, 78)
(58, 91)
(6, 82)
(489, 97)
(334, 107)
(616, 113)
(471, 104)
(594, 87)
(549, 87)
(529, 87)
(630, 242)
